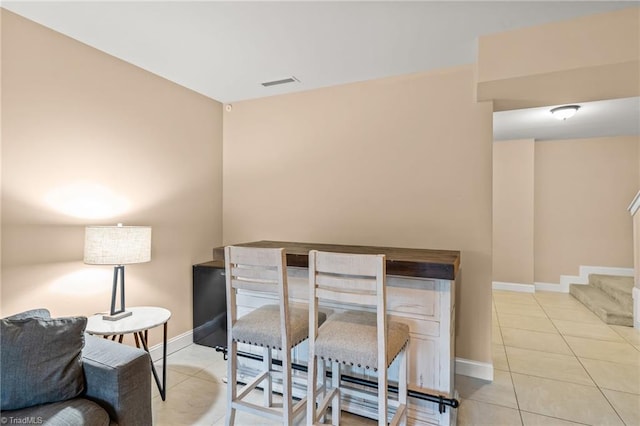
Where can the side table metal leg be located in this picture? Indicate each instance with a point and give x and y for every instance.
(164, 362)
(162, 388)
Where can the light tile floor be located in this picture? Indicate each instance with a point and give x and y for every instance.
(555, 363)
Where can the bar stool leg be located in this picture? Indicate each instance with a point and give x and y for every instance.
(402, 384)
(267, 388)
(232, 383)
(312, 374)
(287, 402)
(335, 401)
(323, 383)
(382, 396)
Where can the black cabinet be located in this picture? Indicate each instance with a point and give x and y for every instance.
(209, 305)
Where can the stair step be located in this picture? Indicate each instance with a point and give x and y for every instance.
(602, 305)
(618, 288)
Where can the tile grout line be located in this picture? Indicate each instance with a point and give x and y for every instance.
(554, 417)
(500, 322)
(509, 365)
(574, 355)
(586, 370)
(520, 411)
(513, 385)
(623, 337)
(562, 380)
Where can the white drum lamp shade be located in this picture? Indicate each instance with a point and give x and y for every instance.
(118, 246)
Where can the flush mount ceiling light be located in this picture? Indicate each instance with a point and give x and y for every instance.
(564, 112)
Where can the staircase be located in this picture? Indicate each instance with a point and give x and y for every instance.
(608, 296)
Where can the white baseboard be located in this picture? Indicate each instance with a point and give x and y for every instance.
(475, 369)
(583, 278)
(555, 287)
(567, 280)
(173, 345)
(635, 293)
(522, 288)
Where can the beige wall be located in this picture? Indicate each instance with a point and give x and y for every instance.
(589, 58)
(89, 139)
(582, 190)
(581, 187)
(513, 177)
(561, 204)
(402, 161)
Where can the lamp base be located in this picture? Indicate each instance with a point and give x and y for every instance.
(117, 316)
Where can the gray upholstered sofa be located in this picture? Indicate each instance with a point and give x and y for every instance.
(113, 387)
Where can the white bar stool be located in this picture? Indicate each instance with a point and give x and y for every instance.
(362, 339)
(276, 326)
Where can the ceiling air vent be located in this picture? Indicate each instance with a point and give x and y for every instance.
(283, 81)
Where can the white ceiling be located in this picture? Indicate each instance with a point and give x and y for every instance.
(616, 117)
(225, 50)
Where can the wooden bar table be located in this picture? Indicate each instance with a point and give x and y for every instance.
(421, 286)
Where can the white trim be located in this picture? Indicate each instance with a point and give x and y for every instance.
(585, 271)
(567, 280)
(471, 368)
(173, 345)
(555, 287)
(635, 293)
(519, 287)
(583, 278)
(635, 204)
(604, 270)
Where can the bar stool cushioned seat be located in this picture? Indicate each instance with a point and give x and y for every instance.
(351, 338)
(261, 327)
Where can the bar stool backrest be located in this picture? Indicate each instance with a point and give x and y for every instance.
(357, 279)
(258, 270)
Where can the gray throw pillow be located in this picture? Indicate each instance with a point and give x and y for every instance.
(33, 313)
(41, 360)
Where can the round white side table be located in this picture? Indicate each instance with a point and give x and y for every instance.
(143, 319)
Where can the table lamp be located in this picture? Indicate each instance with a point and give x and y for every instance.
(117, 245)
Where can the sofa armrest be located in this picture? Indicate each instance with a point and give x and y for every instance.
(118, 377)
